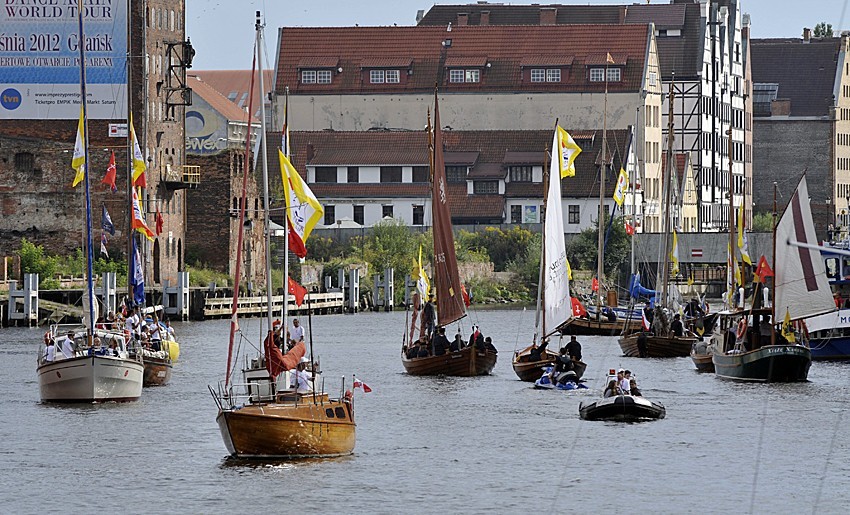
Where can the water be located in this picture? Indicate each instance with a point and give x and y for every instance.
(433, 445)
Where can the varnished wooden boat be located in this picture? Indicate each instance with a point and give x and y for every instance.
(532, 370)
(657, 346)
(289, 428)
(703, 362)
(157, 371)
(593, 327)
(464, 363)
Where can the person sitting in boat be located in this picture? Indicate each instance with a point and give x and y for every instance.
(563, 365)
(457, 343)
(423, 349)
(633, 388)
(538, 353)
(609, 314)
(476, 337)
(113, 349)
(412, 350)
(301, 380)
(488, 344)
(169, 331)
(574, 349)
(68, 345)
(612, 390)
(623, 382)
(441, 343)
(676, 327)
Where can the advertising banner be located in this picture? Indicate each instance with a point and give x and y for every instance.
(40, 59)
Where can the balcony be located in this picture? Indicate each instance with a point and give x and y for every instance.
(181, 178)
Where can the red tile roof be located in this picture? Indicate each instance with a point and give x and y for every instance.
(235, 84)
(547, 60)
(386, 62)
(318, 62)
(502, 48)
(619, 59)
(218, 102)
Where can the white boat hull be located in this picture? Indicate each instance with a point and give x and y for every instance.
(91, 379)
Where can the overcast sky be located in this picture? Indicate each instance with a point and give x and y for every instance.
(222, 31)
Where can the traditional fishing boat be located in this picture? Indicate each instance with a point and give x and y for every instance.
(621, 407)
(754, 351)
(554, 307)
(476, 358)
(88, 365)
(263, 417)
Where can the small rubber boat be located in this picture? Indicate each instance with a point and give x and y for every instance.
(624, 408)
(545, 383)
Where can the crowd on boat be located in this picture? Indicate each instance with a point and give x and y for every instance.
(624, 384)
(439, 344)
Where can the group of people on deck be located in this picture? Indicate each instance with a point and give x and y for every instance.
(565, 363)
(68, 348)
(440, 345)
(625, 384)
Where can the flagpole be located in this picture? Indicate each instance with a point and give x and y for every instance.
(130, 255)
(285, 309)
(600, 268)
(264, 155)
(83, 97)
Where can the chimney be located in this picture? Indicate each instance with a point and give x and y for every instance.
(548, 15)
(780, 107)
(311, 152)
(807, 34)
(462, 19)
(419, 15)
(485, 18)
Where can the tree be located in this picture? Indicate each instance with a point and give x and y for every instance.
(582, 249)
(762, 222)
(823, 30)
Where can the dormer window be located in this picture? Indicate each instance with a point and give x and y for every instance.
(545, 75)
(465, 69)
(315, 76)
(458, 76)
(386, 70)
(598, 74)
(384, 76)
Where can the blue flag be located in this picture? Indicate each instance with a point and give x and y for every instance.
(106, 222)
(138, 278)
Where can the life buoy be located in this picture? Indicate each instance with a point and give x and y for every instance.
(742, 328)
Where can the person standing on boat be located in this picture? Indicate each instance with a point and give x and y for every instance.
(49, 349)
(297, 331)
(441, 343)
(676, 327)
(68, 345)
(428, 319)
(301, 378)
(574, 349)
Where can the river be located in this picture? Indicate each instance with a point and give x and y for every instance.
(433, 445)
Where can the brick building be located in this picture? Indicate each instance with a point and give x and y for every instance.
(37, 200)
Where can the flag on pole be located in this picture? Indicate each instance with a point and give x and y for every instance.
(742, 237)
(674, 254)
(103, 242)
(159, 222)
(139, 219)
(138, 159)
(360, 384)
(763, 271)
(465, 295)
(630, 229)
(644, 321)
(296, 289)
(578, 308)
(569, 151)
(106, 221)
(78, 162)
(109, 178)
(569, 271)
(788, 328)
(622, 186)
(303, 210)
(423, 284)
(137, 280)
(608, 58)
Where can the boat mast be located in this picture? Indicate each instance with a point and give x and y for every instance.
(129, 163)
(541, 284)
(285, 310)
(773, 261)
(665, 272)
(600, 221)
(633, 182)
(733, 257)
(264, 155)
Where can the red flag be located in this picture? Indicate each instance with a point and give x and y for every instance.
(763, 270)
(464, 294)
(140, 181)
(109, 179)
(296, 244)
(629, 229)
(360, 384)
(297, 290)
(159, 222)
(578, 307)
(594, 285)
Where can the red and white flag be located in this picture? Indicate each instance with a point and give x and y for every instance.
(645, 321)
(111, 171)
(360, 384)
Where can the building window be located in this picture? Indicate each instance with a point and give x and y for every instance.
(597, 74)
(652, 78)
(330, 215)
(573, 214)
(24, 162)
(473, 76)
(393, 76)
(323, 76)
(520, 173)
(390, 174)
(353, 174)
(464, 75)
(485, 187)
(538, 75)
(455, 75)
(421, 173)
(358, 214)
(418, 215)
(376, 76)
(387, 211)
(455, 173)
(516, 214)
(614, 74)
(553, 75)
(308, 76)
(326, 174)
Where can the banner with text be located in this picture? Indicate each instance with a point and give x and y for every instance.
(40, 59)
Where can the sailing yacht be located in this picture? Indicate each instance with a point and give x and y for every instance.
(263, 417)
(474, 359)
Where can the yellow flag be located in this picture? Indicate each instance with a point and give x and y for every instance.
(568, 150)
(622, 186)
(138, 160)
(742, 237)
(609, 59)
(569, 271)
(423, 285)
(787, 328)
(674, 254)
(78, 162)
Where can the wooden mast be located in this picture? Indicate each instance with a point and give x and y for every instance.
(733, 258)
(665, 272)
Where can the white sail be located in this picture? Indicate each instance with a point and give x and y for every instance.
(556, 299)
(801, 284)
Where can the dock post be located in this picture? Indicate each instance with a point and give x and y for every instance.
(352, 303)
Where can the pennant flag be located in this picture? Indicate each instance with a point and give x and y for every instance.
(296, 289)
(137, 280)
(608, 58)
(644, 321)
(569, 151)
(464, 294)
(788, 328)
(423, 284)
(103, 242)
(594, 285)
(303, 210)
(109, 179)
(674, 254)
(763, 271)
(569, 270)
(742, 237)
(106, 222)
(159, 222)
(622, 186)
(630, 229)
(139, 219)
(691, 279)
(78, 162)
(138, 160)
(360, 384)
(578, 308)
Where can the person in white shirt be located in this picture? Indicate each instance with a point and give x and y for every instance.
(169, 331)
(68, 345)
(623, 382)
(302, 382)
(297, 332)
(131, 324)
(49, 351)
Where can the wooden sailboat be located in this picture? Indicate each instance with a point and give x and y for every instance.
(263, 417)
(88, 365)
(554, 307)
(661, 342)
(801, 290)
(472, 360)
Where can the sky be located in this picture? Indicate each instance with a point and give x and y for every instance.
(222, 31)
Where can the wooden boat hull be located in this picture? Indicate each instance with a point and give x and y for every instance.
(624, 408)
(532, 370)
(657, 346)
(464, 363)
(288, 430)
(157, 371)
(771, 363)
(593, 327)
(703, 362)
(90, 379)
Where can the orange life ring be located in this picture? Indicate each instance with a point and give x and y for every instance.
(742, 328)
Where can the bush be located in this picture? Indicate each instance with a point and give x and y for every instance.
(204, 276)
(34, 261)
(526, 267)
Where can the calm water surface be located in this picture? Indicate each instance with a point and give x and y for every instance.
(433, 445)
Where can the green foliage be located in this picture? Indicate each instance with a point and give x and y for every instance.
(762, 222)
(391, 245)
(204, 276)
(526, 267)
(324, 249)
(35, 261)
(501, 246)
(823, 30)
(582, 250)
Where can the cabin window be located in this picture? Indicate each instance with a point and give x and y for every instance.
(418, 215)
(845, 268)
(516, 214)
(330, 215)
(421, 173)
(329, 412)
(573, 214)
(340, 412)
(326, 174)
